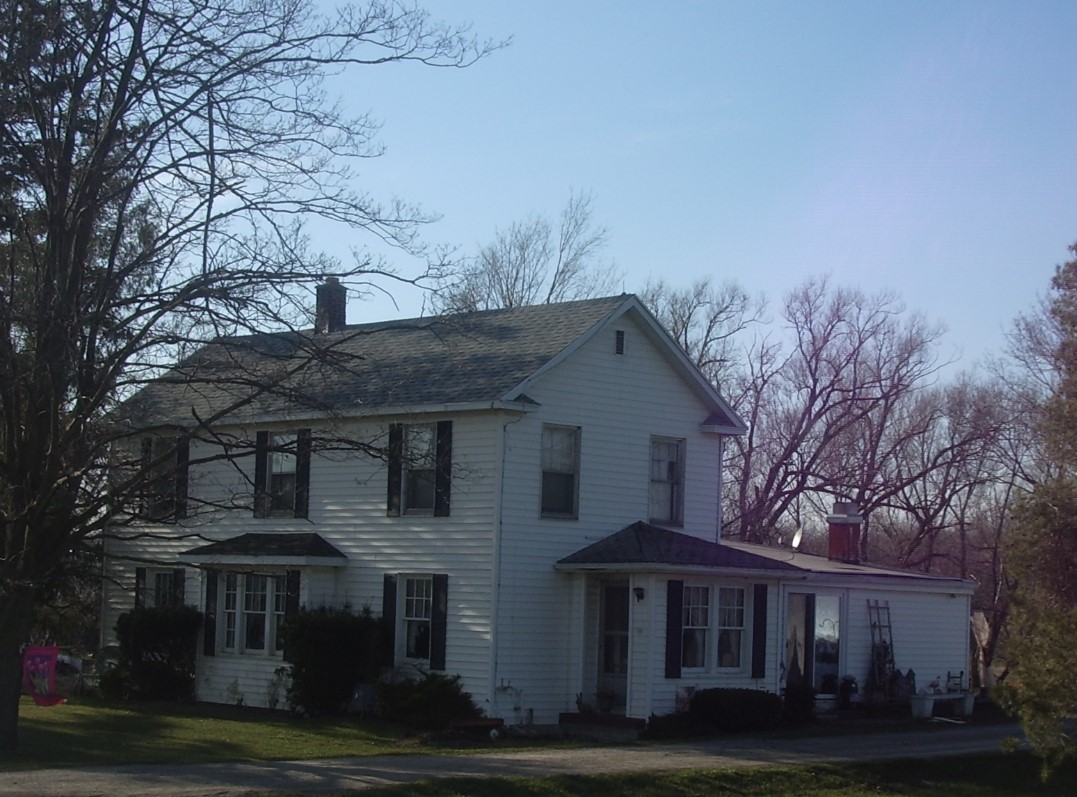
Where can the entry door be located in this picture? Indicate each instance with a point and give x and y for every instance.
(613, 647)
(812, 640)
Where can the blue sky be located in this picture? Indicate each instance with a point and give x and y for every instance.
(924, 147)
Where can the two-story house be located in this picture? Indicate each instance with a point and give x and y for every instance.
(531, 497)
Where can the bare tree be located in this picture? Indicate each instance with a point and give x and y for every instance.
(532, 263)
(706, 321)
(157, 162)
(822, 403)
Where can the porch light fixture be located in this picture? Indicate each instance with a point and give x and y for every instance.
(639, 593)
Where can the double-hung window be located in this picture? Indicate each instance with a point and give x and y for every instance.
(418, 605)
(419, 457)
(695, 624)
(667, 481)
(560, 471)
(282, 474)
(159, 587)
(252, 611)
(730, 626)
(165, 471)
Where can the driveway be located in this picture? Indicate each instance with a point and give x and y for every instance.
(340, 774)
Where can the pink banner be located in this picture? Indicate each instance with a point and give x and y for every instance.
(39, 674)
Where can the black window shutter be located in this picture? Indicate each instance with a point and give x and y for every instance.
(439, 618)
(809, 643)
(209, 626)
(443, 472)
(261, 475)
(291, 598)
(674, 627)
(395, 457)
(147, 478)
(140, 587)
(183, 458)
(388, 615)
(179, 587)
(302, 473)
(759, 631)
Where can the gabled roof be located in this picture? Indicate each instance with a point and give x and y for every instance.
(642, 547)
(296, 548)
(470, 359)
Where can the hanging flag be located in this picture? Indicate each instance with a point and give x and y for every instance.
(39, 674)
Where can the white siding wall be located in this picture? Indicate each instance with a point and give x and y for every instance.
(348, 509)
(619, 402)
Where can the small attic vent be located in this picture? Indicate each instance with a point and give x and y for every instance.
(620, 345)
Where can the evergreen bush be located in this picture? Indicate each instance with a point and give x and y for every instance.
(157, 654)
(734, 710)
(331, 652)
(430, 703)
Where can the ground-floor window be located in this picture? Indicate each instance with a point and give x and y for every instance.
(418, 605)
(730, 626)
(252, 611)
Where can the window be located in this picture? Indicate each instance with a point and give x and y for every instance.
(420, 468)
(416, 609)
(696, 614)
(282, 474)
(560, 471)
(253, 609)
(164, 464)
(418, 602)
(159, 587)
(418, 464)
(730, 626)
(667, 481)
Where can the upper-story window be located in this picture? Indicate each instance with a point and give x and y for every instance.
(282, 474)
(560, 471)
(165, 469)
(420, 468)
(667, 481)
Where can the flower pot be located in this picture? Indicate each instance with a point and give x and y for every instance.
(922, 706)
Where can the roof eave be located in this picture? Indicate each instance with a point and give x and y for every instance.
(258, 560)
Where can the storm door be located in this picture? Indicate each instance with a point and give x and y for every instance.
(613, 647)
(812, 641)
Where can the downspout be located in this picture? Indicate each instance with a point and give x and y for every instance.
(721, 481)
(495, 583)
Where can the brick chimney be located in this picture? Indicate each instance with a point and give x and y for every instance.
(844, 532)
(331, 308)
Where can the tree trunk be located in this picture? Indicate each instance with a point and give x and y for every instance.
(16, 617)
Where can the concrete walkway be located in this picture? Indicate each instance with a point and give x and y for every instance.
(340, 774)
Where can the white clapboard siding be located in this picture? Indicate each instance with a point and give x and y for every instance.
(619, 402)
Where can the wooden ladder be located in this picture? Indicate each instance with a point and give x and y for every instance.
(882, 649)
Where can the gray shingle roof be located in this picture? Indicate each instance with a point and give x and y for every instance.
(644, 544)
(300, 544)
(473, 357)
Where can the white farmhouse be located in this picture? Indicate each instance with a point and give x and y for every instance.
(531, 496)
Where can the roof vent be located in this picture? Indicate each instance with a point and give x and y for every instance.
(331, 309)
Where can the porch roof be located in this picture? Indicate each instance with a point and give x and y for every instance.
(644, 544)
(302, 548)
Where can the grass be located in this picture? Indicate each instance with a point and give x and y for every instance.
(997, 775)
(93, 733)
(87, 732)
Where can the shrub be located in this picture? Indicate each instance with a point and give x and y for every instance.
(157, 654)
(331, 651)
(668, 726)
(428, 704)
(799, 703)
(734, 710)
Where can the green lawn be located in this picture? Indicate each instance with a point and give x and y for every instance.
(88, 732)
(1010, 775)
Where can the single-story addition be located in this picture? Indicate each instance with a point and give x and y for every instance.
(535, 508)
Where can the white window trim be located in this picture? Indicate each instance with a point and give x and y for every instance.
(404, 619)
(276, 598)
(577, 434)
